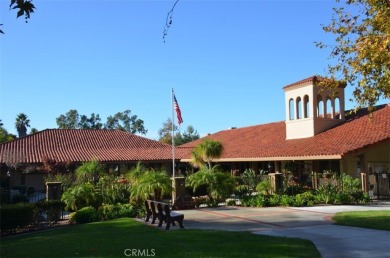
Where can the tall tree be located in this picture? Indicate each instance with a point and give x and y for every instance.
(165, 132)
(121, 121)
(189, 135)
(5, 136)
(34, 130)
(362, 50)
(93, 122)
(124, 122)
(21, 124)
(70, 120)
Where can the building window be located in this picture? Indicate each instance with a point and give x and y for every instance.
(299, 108)
(291, 109)
(306, 107)
(337, 108)
(320, 107)
(329, 112)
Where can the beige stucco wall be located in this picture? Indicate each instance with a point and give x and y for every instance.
(379, 153)
(312, 125)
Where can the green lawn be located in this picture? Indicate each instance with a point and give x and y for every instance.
(364, 219)
(112, 238)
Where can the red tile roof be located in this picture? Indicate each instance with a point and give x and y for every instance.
(268, 141)
(83, 145)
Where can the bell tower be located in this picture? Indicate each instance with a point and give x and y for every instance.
(311, 110)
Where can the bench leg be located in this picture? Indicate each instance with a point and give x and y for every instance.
(148, 217)
(181, 223)
(160, 222)
(168, 225)
(154, 219)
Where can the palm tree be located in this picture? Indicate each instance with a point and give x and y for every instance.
(156, 183)
(89, 171)
(21, 124)
(135, 173)
(205, 152)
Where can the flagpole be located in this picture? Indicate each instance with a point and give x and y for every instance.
(173, 151)
(173, 138)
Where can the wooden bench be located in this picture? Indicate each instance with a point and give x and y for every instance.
(151, 211)
(169, 216)
(162, 212)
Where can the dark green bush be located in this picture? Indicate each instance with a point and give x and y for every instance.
(114, 211)
(248, 201)
(343, 198)
(262, 201)
(85, 215)
(304, 199)
(286, 200)
(241, 190)
(326, 193)
(14, 216)
(259, 200)
(274, 200)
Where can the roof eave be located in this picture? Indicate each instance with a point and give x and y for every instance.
(280, 158)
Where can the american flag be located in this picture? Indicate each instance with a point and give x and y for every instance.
(178, 112)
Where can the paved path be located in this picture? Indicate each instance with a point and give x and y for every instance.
(312, 223)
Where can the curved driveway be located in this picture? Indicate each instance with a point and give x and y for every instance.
(312, 223)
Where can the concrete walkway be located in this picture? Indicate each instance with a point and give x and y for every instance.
(312, 223)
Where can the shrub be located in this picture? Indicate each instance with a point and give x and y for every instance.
(364, 198)
(80, 196)
(114, 190)
(274, 200)
(261, 201)
(264, 187)
(304, 199)
(241, 190)
(14, 216)
(114, 211)
(326, 193)
(286, 200)
(293, 188)
(343, 198)
(248, 201)
(85, 215)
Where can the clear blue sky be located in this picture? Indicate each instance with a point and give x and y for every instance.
(226, 60)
